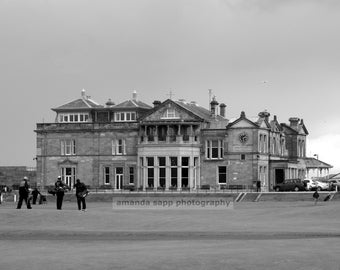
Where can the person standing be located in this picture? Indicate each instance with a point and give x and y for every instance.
(60, 189)
(316, 197)
(23, 193)
(81, 193)
(35, 194)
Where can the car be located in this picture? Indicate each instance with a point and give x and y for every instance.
(334, 184)
(321, 185)
(310, 184)
(290, 185)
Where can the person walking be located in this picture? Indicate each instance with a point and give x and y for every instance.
(23, 193)
(35, 194)
(81, 193)
(316, 197)
(60, 189)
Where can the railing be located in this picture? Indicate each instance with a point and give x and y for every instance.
(202, 189)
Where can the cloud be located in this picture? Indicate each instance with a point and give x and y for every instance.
(327, 147)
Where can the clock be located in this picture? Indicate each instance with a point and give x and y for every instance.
(243, 137)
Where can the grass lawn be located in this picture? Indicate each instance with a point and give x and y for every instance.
(263, 235)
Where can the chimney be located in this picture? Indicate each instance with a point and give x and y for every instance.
(156, 103)
(222, 109)
(213, 105)
(264, 114)
(243, 114)
(109, 103)
(134, 95)
(294, 121)
(83, 94)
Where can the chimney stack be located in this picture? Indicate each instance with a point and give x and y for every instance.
(294, 121)
(134, 95)
(222, 109)
(264, 114)
(156, 103)
(83, 94)
(213, 105)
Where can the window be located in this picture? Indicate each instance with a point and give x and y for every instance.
(132, 175)
(68, 147)
(170, 113)
(162, 171)
(107, 175)
(222, 174)
(151, 176)
(185, 172)
(243, 157)
(263, 143)
(125, 116)
(173, 170)
(73, 117)
(214, 149)
(118, 147)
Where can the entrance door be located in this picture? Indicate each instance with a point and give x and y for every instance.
(119, 178)
(279, 176)
(69, 175)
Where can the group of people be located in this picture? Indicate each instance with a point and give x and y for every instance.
(26, 195)
(59, 191)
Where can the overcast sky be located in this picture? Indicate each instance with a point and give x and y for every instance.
(282, 56)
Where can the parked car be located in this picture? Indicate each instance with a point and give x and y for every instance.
(290, 185)
(310, 184)
(334, 184)
(322, 185)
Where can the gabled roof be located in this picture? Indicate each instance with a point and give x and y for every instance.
(299, 128)
(132, 104)
(197, 110)
(334, 176)
(78, 104)
(252, 121)
(192, 110)
(315, 163)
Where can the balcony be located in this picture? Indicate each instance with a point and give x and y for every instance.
(170, 139)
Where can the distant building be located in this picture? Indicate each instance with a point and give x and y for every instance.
(174, 145)
(11, 176)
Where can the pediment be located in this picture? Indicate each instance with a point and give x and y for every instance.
(170, 111)
(242, 123)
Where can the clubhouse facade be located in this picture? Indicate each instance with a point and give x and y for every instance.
(172, 145)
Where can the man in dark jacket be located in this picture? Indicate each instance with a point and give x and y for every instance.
(60, 189)
(81, 193)
(35, 194)
(23, 193)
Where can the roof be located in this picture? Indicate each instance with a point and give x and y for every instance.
(77, 104)
(315, 163)
(198, 110)
(133, 104)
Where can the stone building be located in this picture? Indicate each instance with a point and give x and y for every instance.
(172, 145)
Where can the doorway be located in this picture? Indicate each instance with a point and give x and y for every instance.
(279, 176)
(119, 178)
(69, 176)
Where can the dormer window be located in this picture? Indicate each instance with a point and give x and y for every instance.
(125, 116)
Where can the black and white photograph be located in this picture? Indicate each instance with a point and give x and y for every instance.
(170, 134)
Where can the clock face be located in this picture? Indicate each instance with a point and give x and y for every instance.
(243, 137)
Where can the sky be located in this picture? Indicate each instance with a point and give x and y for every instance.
(255, 55)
